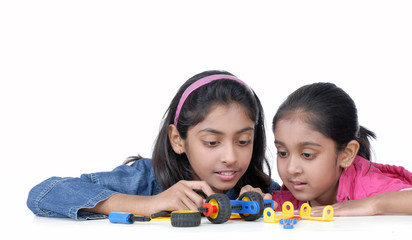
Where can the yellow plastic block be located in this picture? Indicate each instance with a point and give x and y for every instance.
(327, 215)
(161, 219)
(235, 216)
(269, 215)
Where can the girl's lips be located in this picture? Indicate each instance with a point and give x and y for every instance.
(298, 185)
(226, 175)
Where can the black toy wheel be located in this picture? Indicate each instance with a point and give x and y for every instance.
(201, 193)
(185, 218)
(223, 208)
(252, 196)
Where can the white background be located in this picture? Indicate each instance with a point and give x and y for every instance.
(85, 84)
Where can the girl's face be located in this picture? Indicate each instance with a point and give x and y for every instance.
(220, 147)
(307, 162)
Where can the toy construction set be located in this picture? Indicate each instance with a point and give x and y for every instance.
(218, 209)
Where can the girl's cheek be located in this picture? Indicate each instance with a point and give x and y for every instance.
(281, 169)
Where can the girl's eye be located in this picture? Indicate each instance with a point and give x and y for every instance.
(283, 154)
(244, 142)
(211, 143)
(308, 155)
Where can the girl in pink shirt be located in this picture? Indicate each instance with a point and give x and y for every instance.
(324, 157)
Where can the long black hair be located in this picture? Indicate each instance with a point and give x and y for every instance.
(331, 111)
(170, 167)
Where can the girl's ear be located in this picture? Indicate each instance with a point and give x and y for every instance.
(175, 140)
(348, 154)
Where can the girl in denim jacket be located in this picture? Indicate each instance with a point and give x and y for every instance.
(324, 157)
(212, 139)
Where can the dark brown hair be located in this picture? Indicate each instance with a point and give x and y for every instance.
(331, 111)
(170, 167)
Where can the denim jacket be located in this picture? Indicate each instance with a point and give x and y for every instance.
(64, 197)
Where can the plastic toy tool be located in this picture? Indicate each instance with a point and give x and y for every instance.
(288, 223)
(129, 218)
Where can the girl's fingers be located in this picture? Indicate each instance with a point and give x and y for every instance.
(267, 196)
(189, 198)
(317, 211)
(198, 185)
(192, 200)
(249, 188)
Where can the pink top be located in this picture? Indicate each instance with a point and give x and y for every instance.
(362, 179)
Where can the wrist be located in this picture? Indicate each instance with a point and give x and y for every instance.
(377, 204)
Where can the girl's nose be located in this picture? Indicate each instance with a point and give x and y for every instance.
(228, 156)
(294, 166)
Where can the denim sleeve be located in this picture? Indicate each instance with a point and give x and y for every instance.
(64, 197)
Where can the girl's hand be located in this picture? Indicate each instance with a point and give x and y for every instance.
(361, 207)
(249, 188)
(382, 203)
(181, 196)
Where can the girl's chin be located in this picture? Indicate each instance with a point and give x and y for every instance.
(299, 195)
(219, 190)
(302, 197)
(222, 189)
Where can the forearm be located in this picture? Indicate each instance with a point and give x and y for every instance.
(394, 202)
(379, 204)
(181, 196)
(139, 205)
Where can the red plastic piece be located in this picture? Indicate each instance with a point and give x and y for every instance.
(210, 209)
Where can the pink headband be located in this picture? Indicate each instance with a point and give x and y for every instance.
(198, 84)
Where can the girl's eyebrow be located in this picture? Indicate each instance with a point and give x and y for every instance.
(245, 130)
(211, 130)
(303, 144)
(214, 131)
